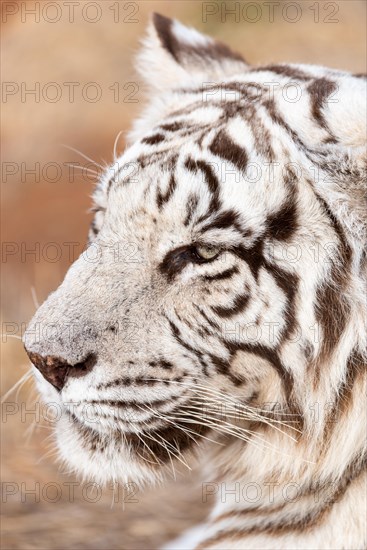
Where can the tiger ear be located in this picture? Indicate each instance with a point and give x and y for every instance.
(174, 55)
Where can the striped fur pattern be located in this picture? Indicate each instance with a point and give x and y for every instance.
(223, 305)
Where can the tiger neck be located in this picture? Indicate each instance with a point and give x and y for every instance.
(282, 478)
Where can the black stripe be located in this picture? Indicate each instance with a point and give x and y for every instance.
(294, 522)
(223, 366)
(332, 309)
(223, 146)
(211, 181)
(288, 282)
(253, 256)
(237, 307)
(227, 274)
(154, 139)
(211, 322)
(284, 223)
(126, 381)
(172, 126)
(162, 198)
(226, 219)
(198, 355)
(319, 90)
(191, 206)
(285, 70)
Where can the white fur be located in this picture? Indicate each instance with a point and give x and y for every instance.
(111, 289)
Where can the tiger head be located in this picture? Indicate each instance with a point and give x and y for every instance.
(222, 266)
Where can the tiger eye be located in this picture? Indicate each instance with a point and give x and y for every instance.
(207, 252)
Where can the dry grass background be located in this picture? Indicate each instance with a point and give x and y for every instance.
(56, 212)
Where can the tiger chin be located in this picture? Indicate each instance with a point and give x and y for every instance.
(230, 237)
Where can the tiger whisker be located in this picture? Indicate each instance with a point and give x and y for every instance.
(170, 458)
(168, 443)
(163, 444)
(151, 452)
(83, 168)
(83, 155)
(237, 432)
(230, 426)
(225, 396)
(231, 399)
(194, 433)
(175, 450)
(34, 297)
(252, 414)
(143, 457)
(214, 425)
(115, 145)
(18, 385)
(232, 431)
(185, 430)
(48, 454)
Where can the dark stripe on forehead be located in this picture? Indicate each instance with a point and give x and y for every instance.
(227, 219)
(319, 90)
(172, 126)
(162, 198)
(223, 220)
(262, 136)
(284, 70)
(223, 146)
(154, 139)
(191, 206)
(276, 117)
(210, 179)
(284, 223)
(164, 157)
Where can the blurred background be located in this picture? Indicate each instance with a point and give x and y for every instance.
(68, 79)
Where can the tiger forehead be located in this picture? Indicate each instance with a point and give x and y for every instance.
(221, 185)
(254, 99)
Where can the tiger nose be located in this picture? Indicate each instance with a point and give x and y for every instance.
(57, 370)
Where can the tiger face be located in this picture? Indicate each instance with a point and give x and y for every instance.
(200, 281)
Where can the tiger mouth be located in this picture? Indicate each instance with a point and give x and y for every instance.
(154, 445)
(130, 415)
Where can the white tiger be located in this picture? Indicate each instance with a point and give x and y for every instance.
(240, 205)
